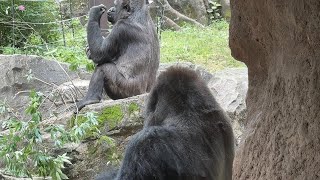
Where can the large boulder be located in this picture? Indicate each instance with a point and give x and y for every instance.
(20, 74)
(279, 41)
(230, 87)
(226, 10)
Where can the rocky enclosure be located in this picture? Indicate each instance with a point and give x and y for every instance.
(279, 41)
(120, 119)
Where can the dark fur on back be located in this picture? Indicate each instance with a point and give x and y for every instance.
(186, 134)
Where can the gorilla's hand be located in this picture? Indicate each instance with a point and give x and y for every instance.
(96, 12)
(111, 13)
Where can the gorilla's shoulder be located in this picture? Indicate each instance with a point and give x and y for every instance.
(153, 139)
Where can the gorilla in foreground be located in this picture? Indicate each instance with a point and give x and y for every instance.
(126, 60)
(186, 135)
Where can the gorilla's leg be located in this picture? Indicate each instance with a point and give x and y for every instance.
(95, 90)
(119, 86)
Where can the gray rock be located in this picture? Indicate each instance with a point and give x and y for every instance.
(71, 90)
(226, 11)
(230, 87)
(45, 76)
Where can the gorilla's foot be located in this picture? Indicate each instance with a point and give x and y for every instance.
(81, 104)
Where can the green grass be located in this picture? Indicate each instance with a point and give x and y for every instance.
(207, 47)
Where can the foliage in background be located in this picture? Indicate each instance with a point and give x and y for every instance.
(214, 11)
(25, 14)
(73, 52)
(208, 47)
(26, 153)
(43, 39)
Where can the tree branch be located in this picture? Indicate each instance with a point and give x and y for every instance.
(168, 8)
(170, 24)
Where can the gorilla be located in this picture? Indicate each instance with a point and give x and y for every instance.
(128, 58)
(111, 15)
(186, 134)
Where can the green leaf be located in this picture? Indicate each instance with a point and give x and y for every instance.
(51, 52)
(209, 10)
(57, 176)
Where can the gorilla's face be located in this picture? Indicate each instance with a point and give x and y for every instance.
(121, 10)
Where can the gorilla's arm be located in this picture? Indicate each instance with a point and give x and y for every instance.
(102, 49)
(107, 49)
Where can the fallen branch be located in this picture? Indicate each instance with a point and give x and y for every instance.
(168, 9)
(168, 23)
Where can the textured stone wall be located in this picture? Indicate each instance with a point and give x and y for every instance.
(279, 40)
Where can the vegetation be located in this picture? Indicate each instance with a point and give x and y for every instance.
(208, 47)
(28, 17)
(24, 149)
(112, 115)
(38, 31)
(214, 11)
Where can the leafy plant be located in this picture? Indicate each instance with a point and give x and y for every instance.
(214, 11)
(23, 149)
(22, 19)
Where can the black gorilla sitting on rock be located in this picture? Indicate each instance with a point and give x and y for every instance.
(186, 134)
(127, 59)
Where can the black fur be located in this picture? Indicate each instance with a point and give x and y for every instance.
(128, 58)
(111, 13)
(186, 134)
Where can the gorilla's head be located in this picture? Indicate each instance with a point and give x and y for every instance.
(124, 8)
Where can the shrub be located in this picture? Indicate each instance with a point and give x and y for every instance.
(23, 149)
(28, 18)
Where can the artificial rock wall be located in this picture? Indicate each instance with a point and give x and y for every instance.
(279, 40)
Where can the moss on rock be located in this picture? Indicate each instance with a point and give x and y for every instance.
(133, 107)
(111, 115)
